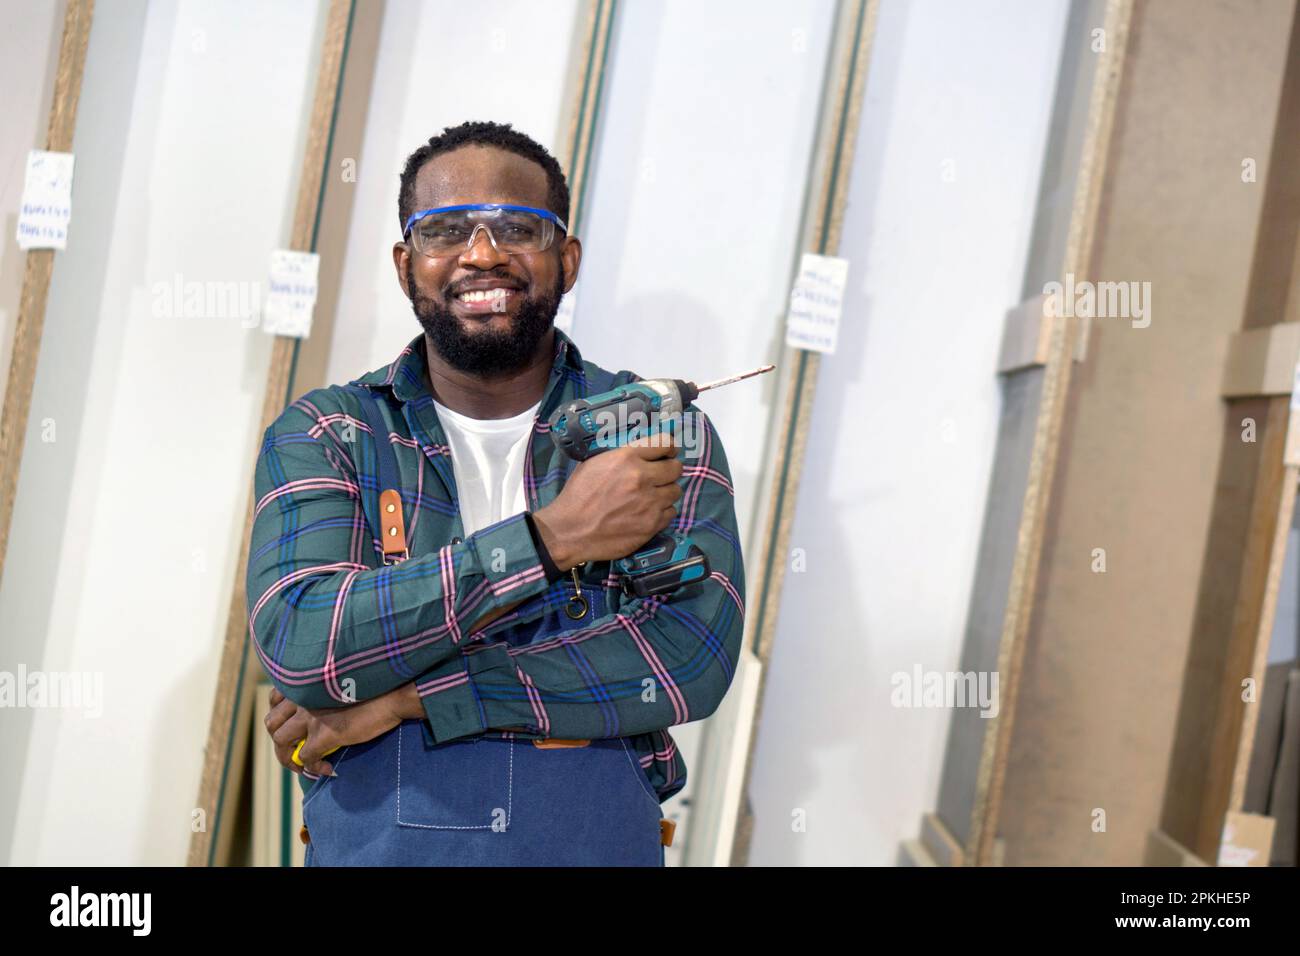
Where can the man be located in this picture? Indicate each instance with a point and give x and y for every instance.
(488, 695)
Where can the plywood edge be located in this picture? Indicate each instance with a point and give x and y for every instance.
(1282, 521)
(1048, 428)
(582, 93)
(38, 270)
(1262, 361)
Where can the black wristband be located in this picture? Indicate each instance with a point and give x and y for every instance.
(553, 573)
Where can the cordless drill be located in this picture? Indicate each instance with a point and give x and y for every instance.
(586, 427)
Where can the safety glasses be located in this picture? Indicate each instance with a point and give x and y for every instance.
(448, 230)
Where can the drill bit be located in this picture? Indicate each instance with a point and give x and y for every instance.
(735, 378)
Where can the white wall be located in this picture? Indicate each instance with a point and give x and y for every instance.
(904, 424)
(126, 530)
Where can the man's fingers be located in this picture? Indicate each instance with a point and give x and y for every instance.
(664, 471)
(276, 696)
(313, 752)
(284, 754)
(278, 714)
(660, 445)
(292, 730)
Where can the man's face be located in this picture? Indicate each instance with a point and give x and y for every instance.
(492, 336)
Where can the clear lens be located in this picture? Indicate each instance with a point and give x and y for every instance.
(513, 231)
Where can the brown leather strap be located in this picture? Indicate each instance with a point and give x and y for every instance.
(554, 743)
(303, 835)
(666, 830)
(392, 527)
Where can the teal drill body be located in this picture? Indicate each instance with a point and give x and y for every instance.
(586, 427)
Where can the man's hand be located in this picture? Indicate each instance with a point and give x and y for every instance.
(613, 503)
(287, 723)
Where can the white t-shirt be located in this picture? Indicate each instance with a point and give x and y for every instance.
(487, 456)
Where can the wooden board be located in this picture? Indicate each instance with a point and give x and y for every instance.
(1250, 522)
(1034, 410)
(1105, 653)
(39, 269)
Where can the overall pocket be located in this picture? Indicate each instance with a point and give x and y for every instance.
(460, 785)
(639, 772)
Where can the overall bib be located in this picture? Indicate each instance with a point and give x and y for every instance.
(490, 800)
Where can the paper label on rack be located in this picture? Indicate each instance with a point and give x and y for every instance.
(291, 293)
(816, 303)
(46, 207)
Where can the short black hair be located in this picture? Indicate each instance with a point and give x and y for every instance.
(474, 133)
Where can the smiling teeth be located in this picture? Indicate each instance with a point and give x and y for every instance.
(482, 295)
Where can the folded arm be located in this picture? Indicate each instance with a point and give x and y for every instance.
(330, 623)
(653, 663)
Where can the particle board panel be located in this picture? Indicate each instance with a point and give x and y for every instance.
(1106, 650)
(1021, 400)
(39, 269)
(1218, 720)
(1065, 348)
(1034, 412)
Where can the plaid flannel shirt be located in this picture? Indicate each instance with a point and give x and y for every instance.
(332, 624)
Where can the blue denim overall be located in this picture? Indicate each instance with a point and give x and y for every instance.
(490, 800)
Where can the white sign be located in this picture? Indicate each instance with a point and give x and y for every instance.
(816, 303)
(46, 207)
(291, 293)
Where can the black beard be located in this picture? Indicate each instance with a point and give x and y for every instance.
(486, 353)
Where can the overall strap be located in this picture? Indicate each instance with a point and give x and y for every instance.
(392, 527)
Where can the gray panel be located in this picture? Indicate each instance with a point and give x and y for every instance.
(1021, 396)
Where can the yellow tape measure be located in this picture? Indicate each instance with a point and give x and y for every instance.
(298, 749)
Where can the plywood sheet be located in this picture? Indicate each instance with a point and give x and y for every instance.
(1107, 650)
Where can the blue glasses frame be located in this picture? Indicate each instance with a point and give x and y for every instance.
(544, 213)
